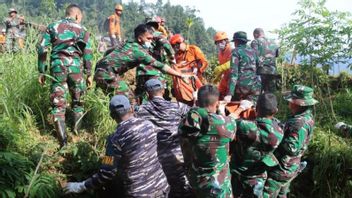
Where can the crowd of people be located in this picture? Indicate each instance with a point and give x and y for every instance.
(192, 147)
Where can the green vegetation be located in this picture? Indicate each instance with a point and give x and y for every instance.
(32, 165)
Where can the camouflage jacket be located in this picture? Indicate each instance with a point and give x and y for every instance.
(267, 51)
(298, 132)
(255, 143)
(131, 153)
(124, 58)
(13, 27)
(243, 70)
(161, 46)
(165, 115)
(69, 41)
(205, 145)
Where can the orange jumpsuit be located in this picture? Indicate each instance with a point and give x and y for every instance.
(2, 39)
(163, 30)
(223, 57)
(195, 58)
(114, 25)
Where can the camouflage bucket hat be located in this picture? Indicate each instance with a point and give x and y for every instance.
(240, 36)
(301, 95)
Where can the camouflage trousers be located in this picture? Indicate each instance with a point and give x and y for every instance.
(171, 159)
(112, 84)
(248, 186)
(12, 44)
(65, 80)
(276, 188)
(140, 91)
(217, 185)
(247, 93)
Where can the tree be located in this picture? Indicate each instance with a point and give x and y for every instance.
(319, 36)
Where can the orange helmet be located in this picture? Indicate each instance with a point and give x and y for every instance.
(177, 38)
(220, 36)
(118, 7)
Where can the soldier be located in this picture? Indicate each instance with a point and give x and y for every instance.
(189, 55)
(3, 40)
(244, 82)
(70, 42)
(205, 137)
(224, 57)
(115, 26)
(131, 152)
(267, 51)
(252, 152)
(344, 128)
(298, 132)
(13, 25)
(126, 57)
(166, 116)
(160, 47)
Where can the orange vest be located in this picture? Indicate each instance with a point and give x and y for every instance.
(194, 56)
(2, 39)
(223, 57)
(114, 25)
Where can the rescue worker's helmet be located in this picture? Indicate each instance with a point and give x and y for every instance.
(219, 36)
(177, 38)
(118, 7)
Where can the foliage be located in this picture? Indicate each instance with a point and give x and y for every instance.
(319, 36)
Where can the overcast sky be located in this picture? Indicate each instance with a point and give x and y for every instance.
(236, 15)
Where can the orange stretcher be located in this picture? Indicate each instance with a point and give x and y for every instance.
(247, 115)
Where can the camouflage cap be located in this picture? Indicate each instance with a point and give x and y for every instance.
(119, 103)
(301, 95)
(240, 36)
(12, 10)
(153, 85)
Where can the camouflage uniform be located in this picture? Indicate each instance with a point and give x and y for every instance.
(298, 132)
(244, 82)
(132, 154)
(70, 41)
(145, 72)
(267, 51)
(252, 155)
(205, 145)
(166, 116)
(13, 29)
(117, 62)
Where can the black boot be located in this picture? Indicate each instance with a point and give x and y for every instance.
(60, 128)
(77, 122)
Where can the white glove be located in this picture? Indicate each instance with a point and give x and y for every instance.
(74, 187)
(113, 36)
(339, 125)
(186, 78)
(195, 95)
(227, 98)
(222, 106)
(246, 104)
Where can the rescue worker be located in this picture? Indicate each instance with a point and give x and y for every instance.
(267, 52)
(189, 55)
(298, 132)
(162, 28)
(166, 116)
(131, 152)
(115, 25)
(244, 82)
(205, 137)
(70, 42)
(130, 55)
(3, 40)
(344, 128)
(224, 57)
(252, 152)
(12, 24)
(162, 51)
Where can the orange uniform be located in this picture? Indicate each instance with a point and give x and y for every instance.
(163, 30)
(2, 39)
(195, 57)
(114, 25)
(223, 57)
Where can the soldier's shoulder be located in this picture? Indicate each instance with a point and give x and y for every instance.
(295, 123)
(246, 124)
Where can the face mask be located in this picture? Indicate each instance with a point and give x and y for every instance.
(221, 46)
(147, 45)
